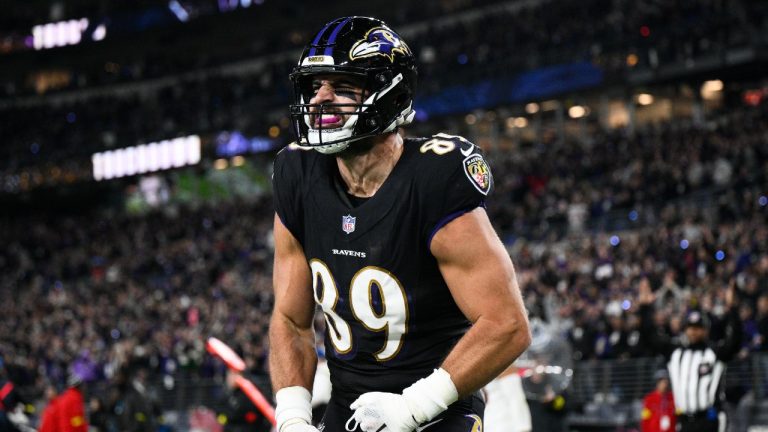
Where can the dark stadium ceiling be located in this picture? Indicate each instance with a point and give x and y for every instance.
(18, 23)
(119, 31)
(23, 15)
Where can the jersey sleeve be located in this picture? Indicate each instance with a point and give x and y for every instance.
(459, 181)
(286, 186)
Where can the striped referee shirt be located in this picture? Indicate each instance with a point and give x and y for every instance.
(695, 370)
(695, 374)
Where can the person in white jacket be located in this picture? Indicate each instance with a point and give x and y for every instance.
(506, 409)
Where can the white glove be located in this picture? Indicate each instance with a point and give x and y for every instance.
(375, 409)
(293, 412)
(419, 403)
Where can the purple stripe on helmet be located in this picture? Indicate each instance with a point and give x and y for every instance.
(317, 39)
(332, 38)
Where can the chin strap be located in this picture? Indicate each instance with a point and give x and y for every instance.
(336, 137)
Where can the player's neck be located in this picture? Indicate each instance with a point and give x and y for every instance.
(364, 173)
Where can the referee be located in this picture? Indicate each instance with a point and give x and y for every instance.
(696, 365)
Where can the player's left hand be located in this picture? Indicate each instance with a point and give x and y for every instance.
(389, 412)
(385, 412)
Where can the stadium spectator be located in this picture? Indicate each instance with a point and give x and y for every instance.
(658, 413)
(239, 414)
(9, 399)
(66, 413)
(548, 412)
(506, 409)
(696, 367)
(138, 408)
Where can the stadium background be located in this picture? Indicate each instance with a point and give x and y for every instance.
(629, 142)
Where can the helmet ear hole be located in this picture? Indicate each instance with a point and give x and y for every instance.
(382, 79)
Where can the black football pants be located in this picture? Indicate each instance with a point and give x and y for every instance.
(701, 423)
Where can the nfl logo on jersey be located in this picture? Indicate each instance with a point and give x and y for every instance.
(348, 223)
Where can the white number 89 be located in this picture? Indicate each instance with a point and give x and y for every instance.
(392, 320)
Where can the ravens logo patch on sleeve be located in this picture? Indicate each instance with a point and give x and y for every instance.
(478, 173)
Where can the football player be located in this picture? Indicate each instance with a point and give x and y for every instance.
(389, 236)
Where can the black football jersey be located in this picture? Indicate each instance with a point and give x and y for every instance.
(390, 316)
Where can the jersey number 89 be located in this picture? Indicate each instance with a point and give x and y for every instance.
(392, 319)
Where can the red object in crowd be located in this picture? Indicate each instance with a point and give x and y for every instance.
(251, 417)
(65, 413)
(536, 184)
(658, 412)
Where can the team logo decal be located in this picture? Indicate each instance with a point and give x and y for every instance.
(379, 41)
(348, 223)
(478, 173)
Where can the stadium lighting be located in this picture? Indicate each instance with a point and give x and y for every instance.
(58, 34)
(710, 89)
(470, 119)
(238, 161)
(146, 158)
(220, 164)
(178, 10)
(532, 108)
(99, 33)
(713, 85)
(644, 99)
(516, 122)
(577, 111)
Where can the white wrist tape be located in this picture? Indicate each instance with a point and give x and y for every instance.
(294, 405)
(430, 396)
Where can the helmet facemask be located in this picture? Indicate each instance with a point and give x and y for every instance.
(387, 81)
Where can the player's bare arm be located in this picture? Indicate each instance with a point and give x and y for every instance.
(292, 355)
(482, 280)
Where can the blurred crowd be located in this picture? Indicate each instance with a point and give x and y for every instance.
(613, 178)
(459, 35)
(77, 129)
(499, 41)
(98, 291)
(99, 295)
(680, 205)
(621, 35)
